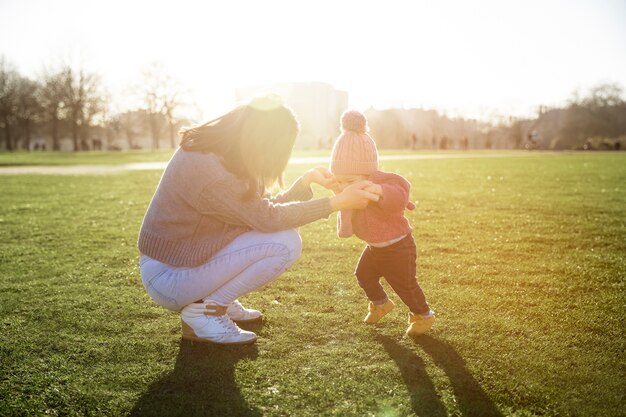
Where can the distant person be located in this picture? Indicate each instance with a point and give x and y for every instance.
(390, 250)
(212, 233)
(443, 144)
(413, 141)
(533, 140)
(465, 143)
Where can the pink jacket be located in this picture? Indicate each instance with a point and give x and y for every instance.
(381, 221)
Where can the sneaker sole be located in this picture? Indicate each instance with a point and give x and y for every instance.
(248, 321)
(380, 318)
(201, 340)
(425, 328)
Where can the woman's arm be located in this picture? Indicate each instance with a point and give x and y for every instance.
(355, 196)
(321, 176)
(222, 200)
(301, 188)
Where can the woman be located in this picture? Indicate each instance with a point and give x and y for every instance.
(213, 234)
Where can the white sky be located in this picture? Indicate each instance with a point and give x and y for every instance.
(465, 57)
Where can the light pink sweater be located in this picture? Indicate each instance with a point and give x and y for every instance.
(197, 210)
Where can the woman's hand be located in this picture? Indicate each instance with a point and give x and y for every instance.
(354, 196)
(321, 176)
(375, 189)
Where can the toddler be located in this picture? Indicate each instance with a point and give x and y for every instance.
(390, 250)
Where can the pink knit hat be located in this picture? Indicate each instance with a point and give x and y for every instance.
(354, 152)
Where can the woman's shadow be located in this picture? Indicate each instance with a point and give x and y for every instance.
(201, 384)
(470, 397)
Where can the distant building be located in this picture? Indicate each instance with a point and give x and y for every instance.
(318, 107)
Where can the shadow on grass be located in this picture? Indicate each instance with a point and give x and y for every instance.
(470, 397)
(201, 384)
(424, 398)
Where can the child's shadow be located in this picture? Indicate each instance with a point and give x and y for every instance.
(201, 384)
(470, 397)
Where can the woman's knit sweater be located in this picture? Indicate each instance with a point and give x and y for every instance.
(197, 209)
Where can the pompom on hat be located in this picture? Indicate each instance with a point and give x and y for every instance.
(353, 121)
(354, 151)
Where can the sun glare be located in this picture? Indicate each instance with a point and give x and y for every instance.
(469, 58)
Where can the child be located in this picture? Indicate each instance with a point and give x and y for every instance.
(390, 250)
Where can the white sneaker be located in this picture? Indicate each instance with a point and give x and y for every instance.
(237, 312)
(207, 322)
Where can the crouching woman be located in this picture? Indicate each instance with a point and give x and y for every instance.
(212, 233)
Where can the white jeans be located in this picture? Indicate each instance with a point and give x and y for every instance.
(250, 261)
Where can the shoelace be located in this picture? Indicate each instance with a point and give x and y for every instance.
(236, 307)
(227, 324)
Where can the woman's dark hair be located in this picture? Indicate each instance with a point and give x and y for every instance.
(255, 141)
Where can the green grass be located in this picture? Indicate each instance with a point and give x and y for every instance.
(523, 259)
(20, 158)
(82, 157)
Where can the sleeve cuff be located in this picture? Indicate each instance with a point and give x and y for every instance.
(319, 208)
(299, 192)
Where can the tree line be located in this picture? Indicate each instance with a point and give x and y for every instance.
(596, 120)
(72, 102)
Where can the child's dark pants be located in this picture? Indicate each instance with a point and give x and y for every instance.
(396, 263)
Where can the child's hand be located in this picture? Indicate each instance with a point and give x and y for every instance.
(354, 196)
(375, 189)
(321, 176)
(336, 189)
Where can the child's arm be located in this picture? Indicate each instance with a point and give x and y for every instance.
(395, 195)
(299, 191)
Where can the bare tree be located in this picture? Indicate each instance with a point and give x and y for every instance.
(9, 80)
(52, 104)
(170, 104)
(604, 95)
(162, 96)
(128, 124)
(154, 119)
(28, 108)
(84, 99)
(602, 113)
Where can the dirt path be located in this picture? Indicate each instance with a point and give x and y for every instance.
(142, 166)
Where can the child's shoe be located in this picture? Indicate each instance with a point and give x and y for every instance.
(376, 312)
(420, 323)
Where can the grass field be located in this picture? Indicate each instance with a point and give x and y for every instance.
(100, 157)
(21, 158)
(523, 259)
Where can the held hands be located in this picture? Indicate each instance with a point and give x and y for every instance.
(355, 196)
(320, 176)
(375, 189)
